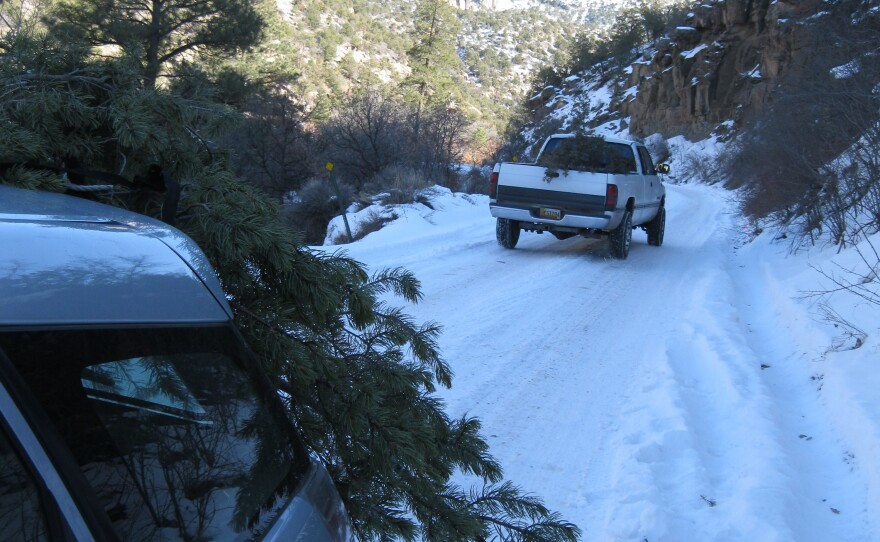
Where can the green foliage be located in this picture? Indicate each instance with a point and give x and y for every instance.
(32, 179)
(433, 58)
(632, 27)
(502, 52)
(157, 34)
(329, 40)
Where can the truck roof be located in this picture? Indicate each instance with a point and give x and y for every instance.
(609, 139)
(69, 261)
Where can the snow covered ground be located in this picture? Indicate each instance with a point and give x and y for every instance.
(689, 392)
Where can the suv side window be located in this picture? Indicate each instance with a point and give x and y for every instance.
(178, 440)
(647, 163)
(21, 512)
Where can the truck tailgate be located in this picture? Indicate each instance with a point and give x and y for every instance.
(532, 177)
(523, 186)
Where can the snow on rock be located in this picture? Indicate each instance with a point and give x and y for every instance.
(695, 51)
(847, 70)
(754, 73)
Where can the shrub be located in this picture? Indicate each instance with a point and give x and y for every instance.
(313, 207)
(398, 184)
(475, 181)
(811, 157)
(698, 167)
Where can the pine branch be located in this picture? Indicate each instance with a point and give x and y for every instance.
(505, 508)
(72, 77)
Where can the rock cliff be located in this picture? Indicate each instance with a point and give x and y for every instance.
(724, 64)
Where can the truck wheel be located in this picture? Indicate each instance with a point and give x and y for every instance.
(656, 227)
(507, 232)
(621, 237)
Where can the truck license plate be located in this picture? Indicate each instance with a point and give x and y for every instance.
(547, 212)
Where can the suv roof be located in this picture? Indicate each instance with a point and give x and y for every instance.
(66, 260)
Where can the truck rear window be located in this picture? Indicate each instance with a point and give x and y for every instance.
(588, 154)
(177, 437)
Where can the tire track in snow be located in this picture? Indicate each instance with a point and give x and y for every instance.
(828, 498)
(729, 445)
(660, 467)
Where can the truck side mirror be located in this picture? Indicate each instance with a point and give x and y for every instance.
(662, 168)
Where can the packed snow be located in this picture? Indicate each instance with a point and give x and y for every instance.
(701, 390)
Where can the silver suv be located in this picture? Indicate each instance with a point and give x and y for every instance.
(130, 408)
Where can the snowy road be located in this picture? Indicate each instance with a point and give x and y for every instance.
(667, 397)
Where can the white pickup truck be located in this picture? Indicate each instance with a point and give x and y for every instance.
(581, 185)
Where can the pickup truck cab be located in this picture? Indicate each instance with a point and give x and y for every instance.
(130, 407)
(581, 185)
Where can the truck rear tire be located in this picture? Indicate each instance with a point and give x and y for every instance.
(621, 237)
(656, 227)
(507, 232)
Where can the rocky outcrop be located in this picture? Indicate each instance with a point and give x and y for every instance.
(723, 65)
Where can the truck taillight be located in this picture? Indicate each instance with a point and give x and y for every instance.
(493, 185)
(610, 197)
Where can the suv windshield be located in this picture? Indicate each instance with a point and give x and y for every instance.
(176, 436)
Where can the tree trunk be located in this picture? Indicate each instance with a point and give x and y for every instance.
(151, 70)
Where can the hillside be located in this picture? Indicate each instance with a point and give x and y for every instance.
(722, 68)
(341, 44)
(337, 45)
(592, 12)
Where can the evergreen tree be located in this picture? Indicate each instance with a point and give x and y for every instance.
(433, 58)
(359, 375)
(157, 33)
